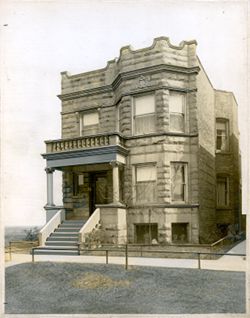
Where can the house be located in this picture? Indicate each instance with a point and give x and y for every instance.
(149, 150)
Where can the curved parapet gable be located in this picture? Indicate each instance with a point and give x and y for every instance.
(160, 53)
(155, 41)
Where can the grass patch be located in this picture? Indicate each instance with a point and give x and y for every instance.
(96, 280)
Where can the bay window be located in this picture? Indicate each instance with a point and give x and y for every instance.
(178, 182)
(145, 176)
(177, 112)
(144, 114)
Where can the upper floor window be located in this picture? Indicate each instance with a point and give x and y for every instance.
(222, 191)
(178, 182)
(144, 114)
(145, 176)
(177, 111)
(89, 123)
(222, 135)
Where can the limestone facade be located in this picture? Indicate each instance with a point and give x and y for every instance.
(154, 110)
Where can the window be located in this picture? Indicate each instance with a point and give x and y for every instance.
(144, 114)
(222, 140)
(222, 191)
(177, 112)
(178, 182)
(78, 183)
(89, 123)
(179, 232)
(146, 233)
(145, 183)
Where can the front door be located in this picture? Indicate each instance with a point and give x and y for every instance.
(99, 190)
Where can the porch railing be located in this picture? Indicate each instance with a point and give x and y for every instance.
(102, 140)
(90, 225)
(51, 226)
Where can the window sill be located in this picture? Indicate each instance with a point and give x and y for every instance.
(223, 152)
(77, 196)
(178, 203)
(224, 207)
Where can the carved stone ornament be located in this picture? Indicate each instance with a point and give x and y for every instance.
(49, 170)
(144, 81)
(77, 117)
(114, 163)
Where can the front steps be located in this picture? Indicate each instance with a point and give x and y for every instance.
(63, 241)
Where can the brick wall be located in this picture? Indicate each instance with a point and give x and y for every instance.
(228, 163)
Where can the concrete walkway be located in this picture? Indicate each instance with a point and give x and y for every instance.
(227, 263)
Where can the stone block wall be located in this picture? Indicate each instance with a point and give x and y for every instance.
(77, 206)
(159, 70)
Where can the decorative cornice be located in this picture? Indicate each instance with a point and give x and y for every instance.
(86, 152)
(129, 75)
(173, 134)
(132, 51)
(154, 88)
(152, 70)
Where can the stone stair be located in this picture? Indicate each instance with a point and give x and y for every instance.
(63, 241)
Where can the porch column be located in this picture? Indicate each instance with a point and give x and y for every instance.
(49, 172)
(116, 188)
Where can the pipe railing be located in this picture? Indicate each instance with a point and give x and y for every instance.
(49, 227)
(9, 247)
(126, 253)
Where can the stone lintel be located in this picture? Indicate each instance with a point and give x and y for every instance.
(116, 205)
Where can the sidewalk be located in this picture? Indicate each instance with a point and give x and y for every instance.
(226, 263)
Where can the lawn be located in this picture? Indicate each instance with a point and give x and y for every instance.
(64, 288)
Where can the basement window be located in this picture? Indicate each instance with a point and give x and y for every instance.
(146, 233)
(180, 232)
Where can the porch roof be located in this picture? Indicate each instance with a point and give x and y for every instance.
(103, 154)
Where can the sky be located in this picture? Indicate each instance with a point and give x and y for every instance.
(43, 38)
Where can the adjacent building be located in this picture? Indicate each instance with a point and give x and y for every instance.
(149, 150)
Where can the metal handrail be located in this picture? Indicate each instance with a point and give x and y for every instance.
(126, 251)
(18, 242)
(220, 240)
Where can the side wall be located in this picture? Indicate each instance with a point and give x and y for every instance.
(207, 175)
(228, 163)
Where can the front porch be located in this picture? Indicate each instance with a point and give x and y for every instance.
(92, 172)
